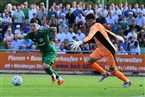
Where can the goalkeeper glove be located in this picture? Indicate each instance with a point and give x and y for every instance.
(76, 44)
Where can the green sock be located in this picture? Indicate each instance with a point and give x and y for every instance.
(50, 71)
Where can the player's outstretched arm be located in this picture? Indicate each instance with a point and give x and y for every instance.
(54, 33)
(114, 35)
(20, 36)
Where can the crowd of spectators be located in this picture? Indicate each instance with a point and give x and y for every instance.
(123, 19)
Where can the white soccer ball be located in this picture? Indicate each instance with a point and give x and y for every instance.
(16, 80)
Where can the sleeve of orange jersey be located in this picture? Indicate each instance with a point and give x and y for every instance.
(92, 32)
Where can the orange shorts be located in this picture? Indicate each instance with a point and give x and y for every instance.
(98, 54)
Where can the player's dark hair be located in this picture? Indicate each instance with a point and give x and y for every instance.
(90, 16)
(34, 21)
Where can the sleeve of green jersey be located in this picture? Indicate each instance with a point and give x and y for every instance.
(27, 35)
(48, 31)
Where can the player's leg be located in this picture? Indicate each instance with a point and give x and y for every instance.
(47, 65)
(96, 55)
(111, 60)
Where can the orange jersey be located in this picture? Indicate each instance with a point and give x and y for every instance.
(98, 33)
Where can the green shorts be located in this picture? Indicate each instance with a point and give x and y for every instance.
(49, 58)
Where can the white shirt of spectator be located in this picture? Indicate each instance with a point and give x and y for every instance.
(134, 34)
(105, 13)
(143, 11)
(56, 45)
(133, 51)
(110, 20)
(99, 9)
(61, 36)
(118, 12)
(19, 16)
(124, 9)
(8, 37)
(16, 44)
(30, 13)
(64, 28)
(12, 12)
(73, 9)
(140, 21)
(9, 19)
(17, 31)
(86, 12)
(80, 36)
(58, 12)
(70, 36)
(136, 10)
(78, 19)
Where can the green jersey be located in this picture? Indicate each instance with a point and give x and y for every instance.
(41, 40)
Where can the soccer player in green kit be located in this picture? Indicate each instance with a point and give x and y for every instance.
(48, 52)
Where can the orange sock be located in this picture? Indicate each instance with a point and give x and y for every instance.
(120, 75)
(97, 68)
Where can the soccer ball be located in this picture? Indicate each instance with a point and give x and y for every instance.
(16, 80)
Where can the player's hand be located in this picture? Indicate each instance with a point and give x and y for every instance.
(76, 44)
(18, 35)
(120, 38)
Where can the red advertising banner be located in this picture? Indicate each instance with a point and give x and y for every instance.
(32, 61)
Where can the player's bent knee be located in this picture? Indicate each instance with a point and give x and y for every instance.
(112, 69)
(45, 66)
(90, 61)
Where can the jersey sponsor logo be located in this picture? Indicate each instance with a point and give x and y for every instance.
(40, 44)
(41, 40)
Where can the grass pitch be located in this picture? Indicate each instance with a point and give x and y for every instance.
(74, 86)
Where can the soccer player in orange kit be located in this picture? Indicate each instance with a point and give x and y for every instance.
(105, 49)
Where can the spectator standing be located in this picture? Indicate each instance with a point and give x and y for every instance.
(136, 9)
(62, 11)
(88, 10)
(31, 12)
(52, 12)
(41, 12)
(77, 11)
(25, 11)
(70, 18)
(19, 17)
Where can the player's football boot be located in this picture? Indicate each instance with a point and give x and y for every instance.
(60, 82)
(126, 84)
(53, 76)
(103, 76)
